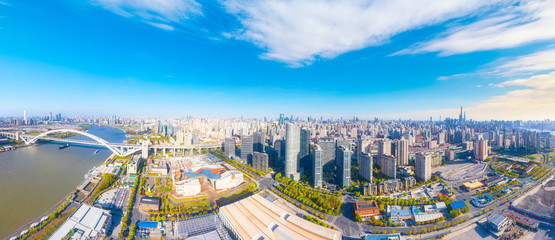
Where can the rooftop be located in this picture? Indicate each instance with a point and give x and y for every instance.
(257, 218)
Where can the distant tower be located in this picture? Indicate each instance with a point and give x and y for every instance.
(281, 119)
(292, 150)
(464, 119)
(24, 116)
(461, 115)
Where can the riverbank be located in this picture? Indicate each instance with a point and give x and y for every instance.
(34, 178)
(68, 197)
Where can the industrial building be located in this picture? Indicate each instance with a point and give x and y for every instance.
(88, 222)
(257, 218)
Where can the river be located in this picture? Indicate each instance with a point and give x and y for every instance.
(33, 179)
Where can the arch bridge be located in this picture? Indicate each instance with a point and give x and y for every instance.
(119, 149)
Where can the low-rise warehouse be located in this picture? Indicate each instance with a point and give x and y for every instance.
(257, 218)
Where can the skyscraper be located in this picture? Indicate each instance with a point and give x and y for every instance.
(292, 149)
(24, 117)
(304, 150)
(344, 167)
(365, 166)
(328, 152)
(384, 148)
(50, 117)
(402, 152)
(246, 149)
(389, 166)
(281, 119)
(317, 154)
(260, 161)
(363, 146)
(229, 147)
(481, 150)
(258, 139)
(423, 166)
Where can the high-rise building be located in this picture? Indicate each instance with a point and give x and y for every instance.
(317, 166)
(246, 149)
(258, 139)
(365, 166)
(402, 152)
(229, 147)
(279, 146)
(363, 146)
(304, 149)
(260, 161)
(24, 117)
(481, 151)
(281, 120)
(344, 167)
(384, 147)
(50, 117)
(328, 152)
(423, 166)
(389, 166)
(292, 149)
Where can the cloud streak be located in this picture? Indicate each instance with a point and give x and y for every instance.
(158, 13)
(298, 32)
(516, 25)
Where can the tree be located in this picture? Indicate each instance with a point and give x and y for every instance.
(434, 228)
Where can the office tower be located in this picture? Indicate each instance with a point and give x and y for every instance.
(317, 166)
(328, 152)
(389, 166)
(304, 150)
(281, 119)
(459, 137)
(195, 138)
(24, 117)
(260, 161)
(499, 140)
(246, 149)
(402, 154)
(441, 138)
(423, 167)
(258, 139)
(50, 117)
(229, 147)
(279, 146)
(344, 167)
(292, 149)
(461, 115)
(365, 166)
(481, 151)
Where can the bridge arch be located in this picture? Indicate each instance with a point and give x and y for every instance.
(97, 139)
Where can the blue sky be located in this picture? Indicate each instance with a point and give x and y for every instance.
(388, 59)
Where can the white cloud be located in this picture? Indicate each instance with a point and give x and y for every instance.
(535, 100)
(538, 61)
(523, 23)
(161, 26)
(300, 31)
(159, 13)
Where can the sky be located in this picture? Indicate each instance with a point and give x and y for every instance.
(390, 59)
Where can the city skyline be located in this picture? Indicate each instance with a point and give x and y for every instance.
(254, 59)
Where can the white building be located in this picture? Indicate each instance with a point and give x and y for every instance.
(228, 179)
(187, 187)
(88, 222)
